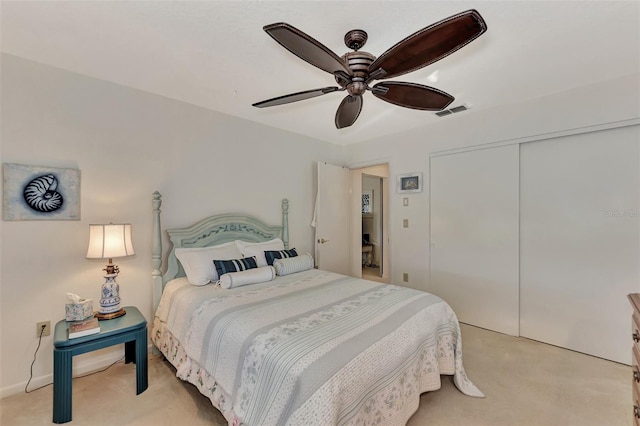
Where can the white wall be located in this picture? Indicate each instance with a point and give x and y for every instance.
(127, 144)
(582, 108)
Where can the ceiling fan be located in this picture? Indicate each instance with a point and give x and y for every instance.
(355, 70)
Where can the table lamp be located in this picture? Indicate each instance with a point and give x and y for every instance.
(106, 242)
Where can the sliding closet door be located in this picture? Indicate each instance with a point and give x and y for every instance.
(474, 235)
(580, 239)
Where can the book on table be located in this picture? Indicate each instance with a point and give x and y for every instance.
(84, 328)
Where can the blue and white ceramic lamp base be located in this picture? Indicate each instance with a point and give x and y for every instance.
(110, 299)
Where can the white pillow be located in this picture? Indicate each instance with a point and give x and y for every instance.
(258, 249)
(198, 262)
(250, 276)
(291, 265)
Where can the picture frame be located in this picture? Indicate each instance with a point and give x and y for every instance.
(409, 183)
(367, 202)
(40, 193)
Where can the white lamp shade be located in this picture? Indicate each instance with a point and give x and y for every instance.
(109, 241)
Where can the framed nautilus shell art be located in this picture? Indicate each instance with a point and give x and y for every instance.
(40, 193)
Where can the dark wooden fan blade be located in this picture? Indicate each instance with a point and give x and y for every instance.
(412, 95)
(295, 97)
(306, 47)
(348, 111)
(429, 45)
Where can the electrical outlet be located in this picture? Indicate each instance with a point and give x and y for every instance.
(47, 328)
(405, 277)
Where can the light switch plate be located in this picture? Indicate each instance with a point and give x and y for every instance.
(405, 223)
(405, 201)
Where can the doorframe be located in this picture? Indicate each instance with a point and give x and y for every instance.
(356, 217)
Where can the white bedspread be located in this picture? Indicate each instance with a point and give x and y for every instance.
(311, 348)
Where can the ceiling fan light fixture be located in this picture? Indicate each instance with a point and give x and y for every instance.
(356, 88)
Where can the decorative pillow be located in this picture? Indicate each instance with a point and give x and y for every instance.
(258, 249)
(234, 265)
(250, 276)
(293, 264)
(272, 255)
(197, 262)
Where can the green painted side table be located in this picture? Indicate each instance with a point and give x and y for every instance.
(130, 329)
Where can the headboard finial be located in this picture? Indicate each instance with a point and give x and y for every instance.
(285, 205)
(157, 200)
(156, 248)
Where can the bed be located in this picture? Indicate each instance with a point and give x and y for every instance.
(307, 347)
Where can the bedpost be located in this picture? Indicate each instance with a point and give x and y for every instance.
(285, 222)
(156, 250)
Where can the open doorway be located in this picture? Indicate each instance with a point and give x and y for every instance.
(372, 230)
(369, 223)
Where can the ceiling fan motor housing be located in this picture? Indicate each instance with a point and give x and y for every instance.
(358, 63)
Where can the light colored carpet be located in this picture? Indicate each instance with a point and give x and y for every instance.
(527, 383)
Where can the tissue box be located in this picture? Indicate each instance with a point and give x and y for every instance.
(79, 311)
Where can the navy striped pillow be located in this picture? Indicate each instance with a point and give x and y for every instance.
(235, 265)
(272, 255)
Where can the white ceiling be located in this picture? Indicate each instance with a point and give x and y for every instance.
(215, 54)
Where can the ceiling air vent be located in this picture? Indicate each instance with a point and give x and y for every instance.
(450, 111)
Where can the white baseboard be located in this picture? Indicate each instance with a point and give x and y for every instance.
(79, 369)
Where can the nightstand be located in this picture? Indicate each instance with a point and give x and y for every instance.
(130, 329)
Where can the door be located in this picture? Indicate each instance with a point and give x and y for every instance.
(474, 236)
(580, 240)
(332, 220)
